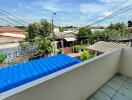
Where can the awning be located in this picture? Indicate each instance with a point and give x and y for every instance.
(70, 39)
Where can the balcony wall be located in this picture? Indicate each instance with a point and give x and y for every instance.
(126, 62)
(76, 83)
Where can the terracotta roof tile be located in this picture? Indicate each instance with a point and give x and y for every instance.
(12, 29)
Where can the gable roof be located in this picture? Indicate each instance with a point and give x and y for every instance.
(103, 46)
(20, 74)
(11, 29)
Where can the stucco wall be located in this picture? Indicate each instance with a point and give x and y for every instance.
(9, 39)
(126, 62)
(76, 84)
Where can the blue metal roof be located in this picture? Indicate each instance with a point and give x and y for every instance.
(19, 74)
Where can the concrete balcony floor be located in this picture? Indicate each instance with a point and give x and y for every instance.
(118, 88)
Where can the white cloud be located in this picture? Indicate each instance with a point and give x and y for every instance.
(14, 10)
(111, 1)
(24, 6)
(49, 5)
(28, 7)
(104, 14)
(82, 17)
(20, 5)
(63, 18)
(54, 6)
(91, 8)
(44, 12)
(70, 17)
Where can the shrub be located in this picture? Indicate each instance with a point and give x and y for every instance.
(2, 58)
(77, 48)
(85, 55)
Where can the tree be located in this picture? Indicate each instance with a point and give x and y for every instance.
(106, 34)
(112, 31)
(37, 38)
(84, 34)
(43, 46)
(45, 28)
(40, 29)
(33, 31)
(61, 29)
(22, 27)
(121, 27)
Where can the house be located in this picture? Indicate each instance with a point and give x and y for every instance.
(11, 34)
(97, 28)
(64, 39)
(105, 77)
(9, 41)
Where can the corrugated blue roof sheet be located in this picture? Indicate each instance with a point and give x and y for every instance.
(19, 74)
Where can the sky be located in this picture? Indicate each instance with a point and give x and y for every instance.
(69, 12)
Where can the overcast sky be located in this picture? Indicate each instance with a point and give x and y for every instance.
(69, 12)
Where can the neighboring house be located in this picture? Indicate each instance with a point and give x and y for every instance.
(65, 34)
(64, 39)
(97, 28)
(9, 41)
(11, 34)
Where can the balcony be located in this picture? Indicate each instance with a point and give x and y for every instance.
(118, 88)
(105, 77)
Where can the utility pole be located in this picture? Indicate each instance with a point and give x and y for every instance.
(53, 33)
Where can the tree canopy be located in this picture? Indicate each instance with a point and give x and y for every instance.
(43, 45)
(33, 31)
(38, 34)
(39, 29)
(113, 30)
(84, 33)
(121, 27)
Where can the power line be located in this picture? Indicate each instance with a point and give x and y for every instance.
(125, 10)
(112, 9)
(16, 18)
(7, 21)
(118, 5)
(113, 14)
(11, 18)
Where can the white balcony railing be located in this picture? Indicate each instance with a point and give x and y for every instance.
(77, 82)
